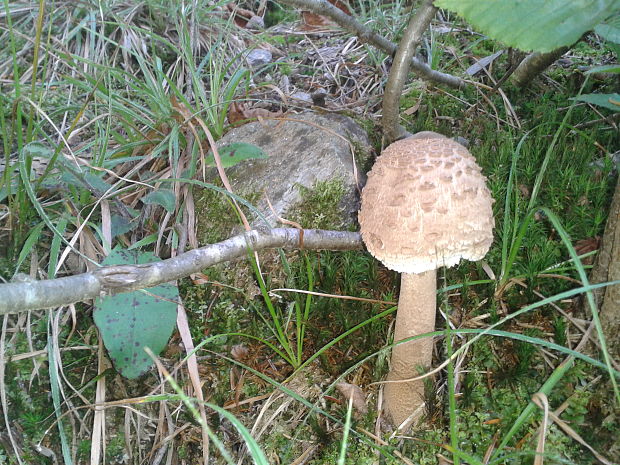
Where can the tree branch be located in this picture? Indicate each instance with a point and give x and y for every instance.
(418, 23)
(534, 64)
(32, 295)
(323, 7)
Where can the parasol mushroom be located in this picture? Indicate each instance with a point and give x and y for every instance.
(425, 205)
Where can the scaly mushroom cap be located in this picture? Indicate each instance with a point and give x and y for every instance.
(426, 205)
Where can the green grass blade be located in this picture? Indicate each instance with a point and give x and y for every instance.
(275, 318)
(29, 244)
(454, 433)
(189, 403)
(545, 164)
(52, 349)
(342, 457)
(583, 276)
(546, 389)
(254, 449)
(24, 172)
(55, 248)
(35, 65)
(509, 223)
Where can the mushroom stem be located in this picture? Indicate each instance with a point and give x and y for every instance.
(416, 315)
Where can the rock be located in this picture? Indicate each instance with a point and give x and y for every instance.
(303, 97)
(309, 175)
(255, 23)
(599, 164)
(258, 57)
(461, 140)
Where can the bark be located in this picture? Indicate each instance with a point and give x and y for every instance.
(418, 23)
(323, 7)
(417, 305)
(534, 64)
(32, 295)
(607, 268)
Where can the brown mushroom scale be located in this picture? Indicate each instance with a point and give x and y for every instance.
(425, 205)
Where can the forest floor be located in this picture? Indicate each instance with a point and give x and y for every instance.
(120, 88)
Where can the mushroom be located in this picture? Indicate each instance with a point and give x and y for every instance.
(425, 205)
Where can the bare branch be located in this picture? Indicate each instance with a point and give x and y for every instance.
(323, 7)
(534, 64)
(400, 69)
(33, 295)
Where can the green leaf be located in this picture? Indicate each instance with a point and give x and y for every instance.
(234, 153)
(121, 225)
(611, 101)
(55, 247)
(38, 149)
(539, 25)
(29, 244)
(87, 180)
(94, 180)
(163, 197)
(615, 69)
(150, 239)
(131, 321)
(610, 30)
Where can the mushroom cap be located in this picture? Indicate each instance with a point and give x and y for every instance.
(426, 205)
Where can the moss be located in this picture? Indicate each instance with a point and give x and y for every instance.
(115, 450)
(320, 206)
(216, 215)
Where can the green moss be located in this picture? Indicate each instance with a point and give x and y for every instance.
(320, 207)
(115, 449)
(216, 215)
(277, 13)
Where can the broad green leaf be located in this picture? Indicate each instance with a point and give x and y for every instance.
(539, 25)
(94, 180)
(234, 153)
(615, 69)
(610, 30)
(163, 197)
(131, 321)
(68, 168)
(38, 149)
(86, 180)
(611, 101)
(121, 225)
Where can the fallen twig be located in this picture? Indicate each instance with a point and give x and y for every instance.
(32, 295)
(323, 7)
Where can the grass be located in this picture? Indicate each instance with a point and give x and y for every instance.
(124, 90)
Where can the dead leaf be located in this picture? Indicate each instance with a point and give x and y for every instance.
(239, 352)
(312, 21)
(525, 191)
(588, 245)
(199, 278)
(239, 113)
(355, 393)
(242, 17)
(413, 109)
(482, 63)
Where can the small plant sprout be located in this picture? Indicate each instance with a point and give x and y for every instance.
(425, 205)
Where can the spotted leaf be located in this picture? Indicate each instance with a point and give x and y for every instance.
(131, 321)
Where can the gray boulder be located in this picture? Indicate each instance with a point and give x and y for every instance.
(309, 176)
